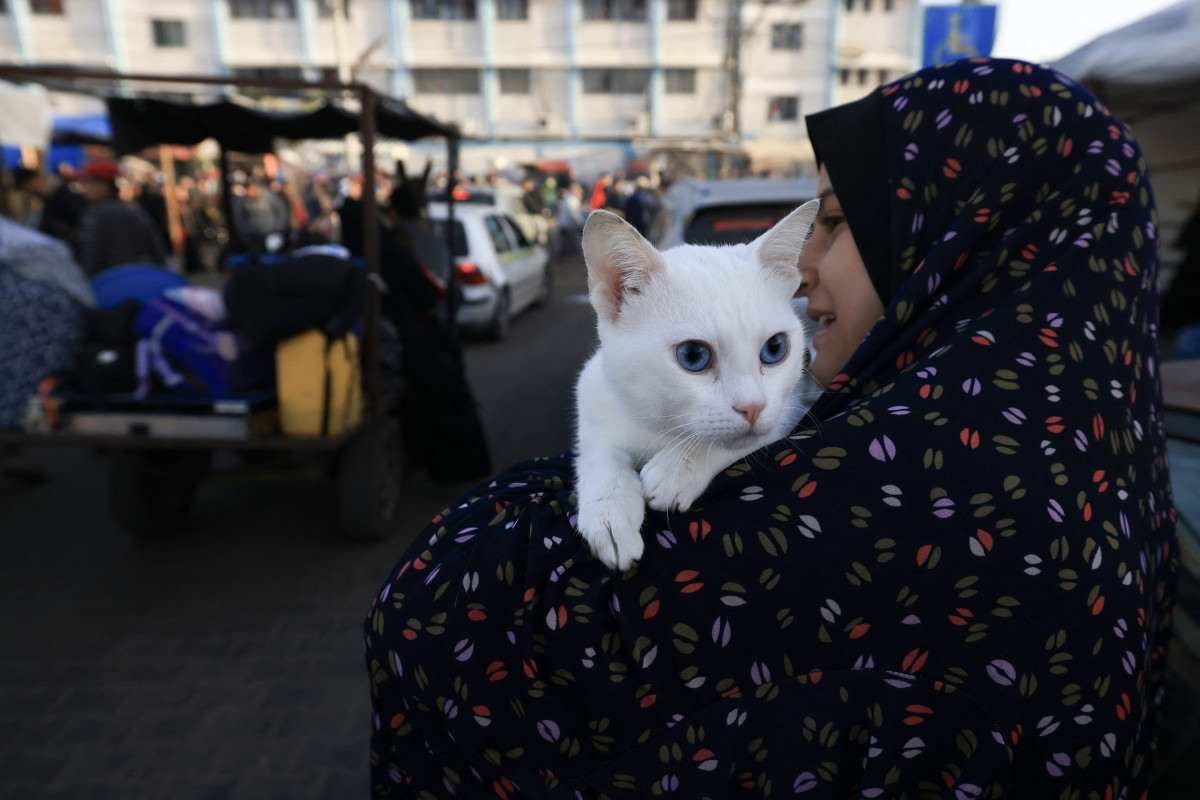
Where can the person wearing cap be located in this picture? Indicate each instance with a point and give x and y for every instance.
(112, 231)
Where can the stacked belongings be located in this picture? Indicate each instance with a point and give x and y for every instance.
(158, 359)
(307, 309)
(162, 358)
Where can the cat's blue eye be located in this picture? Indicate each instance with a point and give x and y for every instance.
(694, 356)
(775, 350)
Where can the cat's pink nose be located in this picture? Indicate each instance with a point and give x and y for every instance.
(750, 411)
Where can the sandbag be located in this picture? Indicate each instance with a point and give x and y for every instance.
(319, 380)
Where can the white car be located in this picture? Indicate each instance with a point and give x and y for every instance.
(725, 211)
(498, 271)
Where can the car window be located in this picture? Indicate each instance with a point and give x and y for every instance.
(514, 230)
(734, 224)
(495, 229)
(460, 235)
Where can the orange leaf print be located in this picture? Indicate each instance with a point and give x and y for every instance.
(651, 610)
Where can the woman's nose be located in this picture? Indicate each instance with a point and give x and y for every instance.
(808, 281)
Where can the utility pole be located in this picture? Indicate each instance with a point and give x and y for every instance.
(733, 66)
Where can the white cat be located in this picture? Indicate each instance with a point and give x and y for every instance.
(702, 361)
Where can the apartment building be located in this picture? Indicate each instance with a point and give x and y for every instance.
(520, 76)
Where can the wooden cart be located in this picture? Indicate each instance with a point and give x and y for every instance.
(153, 477)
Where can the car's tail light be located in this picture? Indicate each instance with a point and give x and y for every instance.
(468, 273)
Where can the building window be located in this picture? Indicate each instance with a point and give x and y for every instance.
(627, 10)
(262, 9)
(3, 6)
(615, 81)
(843, 76)
(512, 9)
(48, 7)
(168, 32)
(863, 76)
(787, 36)
(889, 5)
(325, 8)
(446, 81)
(883, 76)
(866, 5)
(681, 9)
(514, 80)
(849, 5)
(443, 9)
(679, 81)
(783, 109)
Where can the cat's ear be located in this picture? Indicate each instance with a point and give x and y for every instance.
(779, 249)
(619, 262)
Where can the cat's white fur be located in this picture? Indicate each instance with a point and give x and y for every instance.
(650, 431)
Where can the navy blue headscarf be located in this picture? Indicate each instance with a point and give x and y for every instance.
(956, 583)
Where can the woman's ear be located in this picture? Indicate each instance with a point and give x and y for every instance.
(619, 262)
(779, 249)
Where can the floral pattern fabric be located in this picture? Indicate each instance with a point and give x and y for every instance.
(956, 583)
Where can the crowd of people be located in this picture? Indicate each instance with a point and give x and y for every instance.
(108, 217)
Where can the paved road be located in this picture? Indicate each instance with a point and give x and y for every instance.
(226, 661)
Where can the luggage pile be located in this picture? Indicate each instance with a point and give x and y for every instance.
(277, 351)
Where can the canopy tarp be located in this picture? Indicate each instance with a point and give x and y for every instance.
(1144, 64)
(1148, 73)
(138, 123)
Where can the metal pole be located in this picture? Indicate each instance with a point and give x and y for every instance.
(451, 277)
(366, 132)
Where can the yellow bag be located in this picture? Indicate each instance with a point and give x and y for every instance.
(319, 384)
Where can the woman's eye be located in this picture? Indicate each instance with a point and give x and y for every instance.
(830, 221)
(775, 350)
(693, 355)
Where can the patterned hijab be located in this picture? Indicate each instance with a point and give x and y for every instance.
(955, 581)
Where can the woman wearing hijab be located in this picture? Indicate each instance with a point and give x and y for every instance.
(957, 583)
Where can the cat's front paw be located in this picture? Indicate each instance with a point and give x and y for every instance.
(612, 527)
(671, 483)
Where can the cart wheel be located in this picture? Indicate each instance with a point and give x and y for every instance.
(149, 493)
(368, 481)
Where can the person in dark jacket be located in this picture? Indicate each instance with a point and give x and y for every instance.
(439, 417)
(111, 231)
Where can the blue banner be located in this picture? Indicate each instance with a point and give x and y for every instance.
(955, 32)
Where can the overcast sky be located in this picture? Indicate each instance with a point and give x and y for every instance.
(1043, 30)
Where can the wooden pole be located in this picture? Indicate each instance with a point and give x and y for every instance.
(174, 222)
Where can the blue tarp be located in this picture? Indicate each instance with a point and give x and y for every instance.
(69, 136)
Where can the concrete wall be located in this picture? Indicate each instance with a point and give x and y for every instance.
(78, 37)
(540, 40)
(198, 55)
